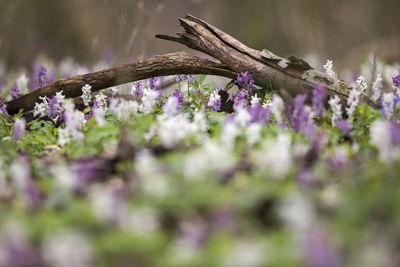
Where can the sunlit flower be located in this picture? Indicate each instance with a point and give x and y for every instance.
(86, 94)
(377, 88)
(328, 68)
(336, 107)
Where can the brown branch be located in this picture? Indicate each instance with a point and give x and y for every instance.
(169, 64)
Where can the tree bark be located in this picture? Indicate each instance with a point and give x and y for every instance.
(169, 64)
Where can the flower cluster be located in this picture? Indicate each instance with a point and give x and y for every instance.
(86, 94)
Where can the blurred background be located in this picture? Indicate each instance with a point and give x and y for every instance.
(123, 30)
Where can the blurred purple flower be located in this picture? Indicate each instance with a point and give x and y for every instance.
(88, 115)
(89, 170)
(245, 81)
(344, 126)
(137, 90)
(33, 195)
(260, 114)
(396, 81)
(300, 118)
(191, 78)
(180, 77)
(320, 252)
(14, 92)
(18, 129)
(306, 178)
(338, 161)
(319, 94)
(153, 83)
(394, 133)
(3, 105)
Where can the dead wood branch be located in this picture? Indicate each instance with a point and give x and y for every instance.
(169, 64)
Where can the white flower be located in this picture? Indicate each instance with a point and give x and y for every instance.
(64, 136)
(382, 140)
(148, 100)
(65, 178)
(41, 108)
(245, 253)
(211, 157)
(229, 134)
(151, 178)
(296, 211)
(275, 157)
(336, 107)
(60, 97)
(173, 129)
(74, 120)
(255, 100)
(171, 106)
(242, 117)
(101, 100)
(22, 83)
(20, 173)
(67, 247)
(277, 107)
(86, 94)
(361, 83)
(353, 100)
(328, 68)
(140, 220)
(377, 88)
(199, 124)
(388, 105)
(214, 97)
(253, 133)
(123, 109)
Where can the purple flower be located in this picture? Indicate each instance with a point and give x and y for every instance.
(88, 115)
(241, 97)
(319, 94)
(41, 76)
(260, 114)
(344, 126)
(179, 95)
(320, 252)
(153, 83)
(95, 103)
(52, 107)
(14, 92)
(245, 81)
(191, 78)
(180, 78)
(3, 105)
(18, 129)
(394, 133)
(137, 90)
(396, 81)
(300, 118)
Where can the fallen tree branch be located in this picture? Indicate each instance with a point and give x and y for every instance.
(290, 76)
(169, 64)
